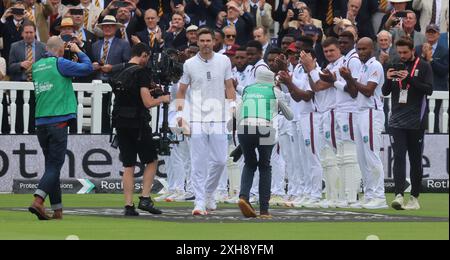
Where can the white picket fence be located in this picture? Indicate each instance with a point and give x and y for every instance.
(89, 113)
(437, 95)
(90, 107)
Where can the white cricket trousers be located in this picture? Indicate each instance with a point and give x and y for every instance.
(368, 142)
(310, 126)
(209, 146)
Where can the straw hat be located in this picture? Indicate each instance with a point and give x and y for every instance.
(66, 22)
(110, 20)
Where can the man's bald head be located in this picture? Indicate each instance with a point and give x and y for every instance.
(55, 45)
(365, 47)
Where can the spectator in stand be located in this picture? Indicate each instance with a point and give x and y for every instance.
(407, 29)
(11, 29)
(152, 35)
(21, 58)
(391, 17)
(59, 11)
(327, 10)
(175, 36)
(360, 13)
(432, 12)
(39, 13)
(437, 56)
(229, 33)
(314, 33)
(262, 13)
(110, 55)
(385, 52)
(90, 15)
(262, 35)
(191, 35)
(204, 12)
(241, 19)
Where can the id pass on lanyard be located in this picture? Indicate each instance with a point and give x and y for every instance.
(403, 98)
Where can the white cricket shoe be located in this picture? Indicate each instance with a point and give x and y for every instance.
(413, 204)
(174, 196)
(355, 205)
(376, 204)
(312, 203)
(163, 197)
(211, 204)
(276, 200)
(222, 196)
(398, 203)
(254, 199)
(342, 204)
(297, 202)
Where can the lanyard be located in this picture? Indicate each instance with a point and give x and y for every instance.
(412, 75)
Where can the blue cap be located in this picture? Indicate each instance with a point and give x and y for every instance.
(310, 29)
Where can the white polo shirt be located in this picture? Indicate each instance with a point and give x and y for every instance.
(344, 102)
(206, 79)
(371, 71)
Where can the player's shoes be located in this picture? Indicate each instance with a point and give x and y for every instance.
(376, 204)
(199, 212)
(130, 211)
(398, 203)
(146, 204)
(413, 204)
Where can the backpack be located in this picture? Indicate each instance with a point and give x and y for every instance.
(123, 86)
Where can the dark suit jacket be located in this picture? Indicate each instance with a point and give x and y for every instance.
(443, 40)
(119, 54)
(201, 13)
(280, 15)
(144, 36)
(364, 18)
(244, 29)
(439, 65)
(10, 35)
(339, 10)
(393, 57)
(77, 2)
(17, 55)
(179, 42)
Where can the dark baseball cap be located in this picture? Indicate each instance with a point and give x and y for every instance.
(433, 27)
(310, 29)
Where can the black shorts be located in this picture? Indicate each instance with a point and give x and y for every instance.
(130, 146)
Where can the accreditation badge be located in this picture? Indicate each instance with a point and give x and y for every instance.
(403, 96)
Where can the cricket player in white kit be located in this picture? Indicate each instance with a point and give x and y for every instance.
(346, 119)
(370, 122)
(209, 77)
(325, 100)
(301, 92)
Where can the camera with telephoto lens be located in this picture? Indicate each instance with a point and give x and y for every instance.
(166, 68)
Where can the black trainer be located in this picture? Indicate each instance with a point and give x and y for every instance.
(146, 204)
(131, 211)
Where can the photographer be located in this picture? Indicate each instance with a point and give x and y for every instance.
(409, 87)
(131, 119)
(407, 28)
(55, 106)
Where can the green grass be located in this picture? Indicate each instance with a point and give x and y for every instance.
(22, 225)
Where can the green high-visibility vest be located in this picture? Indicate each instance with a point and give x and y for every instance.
(259, 101)
(54, 92)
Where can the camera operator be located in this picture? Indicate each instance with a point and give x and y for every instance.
(131, 119)
(409, 88)
(55, 106)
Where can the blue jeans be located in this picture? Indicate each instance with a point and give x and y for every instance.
(250, 142)
(53, 141)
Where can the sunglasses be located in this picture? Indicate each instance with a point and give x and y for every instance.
(230, 36)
